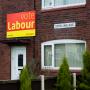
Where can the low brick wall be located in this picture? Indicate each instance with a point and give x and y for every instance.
(9, 85)
(36, 84)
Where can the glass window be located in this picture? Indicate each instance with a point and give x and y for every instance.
(74, 54)
(47, 4)
(47, 55)
(71, 49)
(58, 2)
(74, 1)
(59, 52)
(20, 60)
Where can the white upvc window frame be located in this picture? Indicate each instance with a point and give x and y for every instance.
(52, 43)
(62, 6)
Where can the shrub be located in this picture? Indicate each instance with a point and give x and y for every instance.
(25, 79)
(64, 77)
(85, 75)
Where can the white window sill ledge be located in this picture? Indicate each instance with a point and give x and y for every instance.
(63, 7)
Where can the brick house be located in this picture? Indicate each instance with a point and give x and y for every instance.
(62, 29)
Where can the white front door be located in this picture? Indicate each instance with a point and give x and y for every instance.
(18, 60)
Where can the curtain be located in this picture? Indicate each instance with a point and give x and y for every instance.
(74, 1)
(48, 55)
(74, 54)
(58, 2)
(48, 3)
(72, 51)
(59, 53)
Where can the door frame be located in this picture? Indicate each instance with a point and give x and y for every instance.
(12, 52)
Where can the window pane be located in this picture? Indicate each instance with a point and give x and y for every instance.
(47, 55)
(74, 1)
(59, 54)
(48, 3)
(74, 54)
(58, 2)
(20, 60)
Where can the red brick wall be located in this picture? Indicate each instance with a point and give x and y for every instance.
(5, 66)
(6, 7)
(45, 31)
(45, 26)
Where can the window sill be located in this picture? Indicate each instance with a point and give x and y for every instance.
(64, 7)
(57, 68)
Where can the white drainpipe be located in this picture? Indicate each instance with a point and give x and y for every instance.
(74, 81)
(42, 82)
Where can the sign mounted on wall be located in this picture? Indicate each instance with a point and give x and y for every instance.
(21, 24)
(64, 25)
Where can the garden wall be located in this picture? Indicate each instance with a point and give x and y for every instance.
(36, 84)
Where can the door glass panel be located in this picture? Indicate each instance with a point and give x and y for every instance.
(20, 60)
